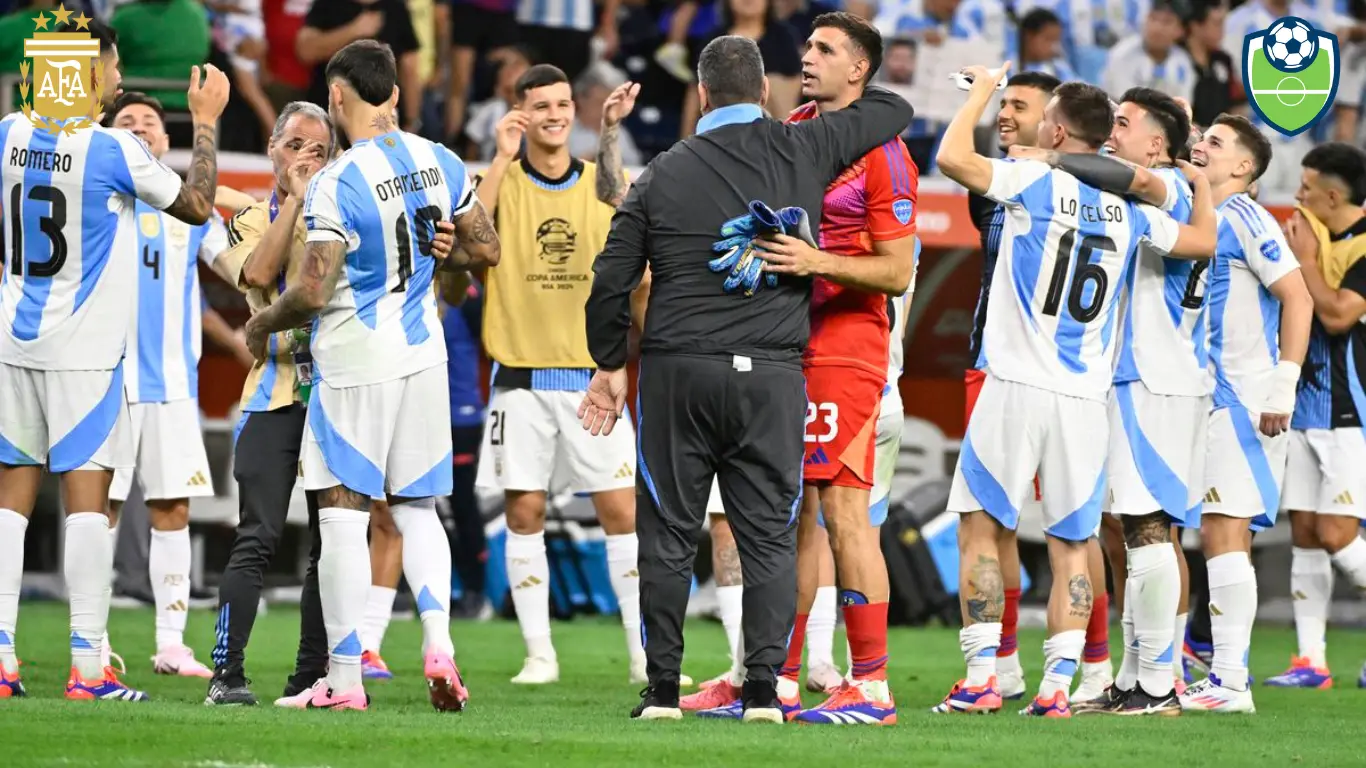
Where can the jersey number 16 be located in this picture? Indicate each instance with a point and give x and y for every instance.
(1082, 308)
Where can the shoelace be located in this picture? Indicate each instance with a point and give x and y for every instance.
(847, 694)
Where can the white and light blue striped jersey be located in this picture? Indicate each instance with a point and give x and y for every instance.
(557, 14)
(1090, 28)
(382, 198)
(1253, 16)
(164, 336)
(1244, 318)
(909, 18)
(69, 280)
(1164, 341)
(1065, 248)
(1129, 65)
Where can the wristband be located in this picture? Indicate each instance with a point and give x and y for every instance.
(1281, 398)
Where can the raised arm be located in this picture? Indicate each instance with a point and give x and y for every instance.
(194, 204)
(957, 156)
(303, 301)
(1340, 309)
(617, 272)
(837, 140)
(612, 184)
(270, 256)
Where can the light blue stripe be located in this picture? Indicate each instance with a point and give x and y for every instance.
(367, 267)
(353, 469)
(640, 443)
(237, 430)
(193, 309)
(151, 307)
(260, 399)
(1071, 334)
(1157, 477)
(77, 446)
(1354, 387)
(437, 481)
(1081, 524)
(11, 455)
(985, 487)
(1027, 248)
(1217, 301)
(37, 246)
(561, 379)
(417, 295)
(99, 225)
(1258, 463)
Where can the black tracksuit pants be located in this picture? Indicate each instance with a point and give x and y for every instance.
(266, 466)
(699, 417)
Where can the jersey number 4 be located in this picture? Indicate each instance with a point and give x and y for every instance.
(423, 229)
(49, 225)
(1079, 306)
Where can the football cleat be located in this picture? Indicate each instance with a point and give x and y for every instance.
(1096, 678)
(975, 699)
(719, 695)
(228, 688)
(1055, 707)
(110, 659)
(1197, 657)
(1108, 699)
(705, 684)
(372, 667)
(179, 660)
(1210, 695)
(321, 696)
(444, 684)
(11, 687)
(1135, 703)
(789, 705)
(1301, 674)
(108, 688)
(824, 679)
(857, 702)
(658, 702)
(538, 671)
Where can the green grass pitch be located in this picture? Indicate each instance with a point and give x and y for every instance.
(582, 721)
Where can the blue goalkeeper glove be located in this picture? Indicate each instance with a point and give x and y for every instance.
(738, 244)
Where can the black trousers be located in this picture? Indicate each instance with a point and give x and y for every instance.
(266, 457)
(469, 548)
(700, 417)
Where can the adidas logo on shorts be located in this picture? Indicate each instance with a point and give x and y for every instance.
(1212, 496)
(1344, 498)
(625, 472)
(197, 480)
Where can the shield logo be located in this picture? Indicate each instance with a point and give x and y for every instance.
(1290, 73)
(59, 92)
(150, 224)
(903, 209)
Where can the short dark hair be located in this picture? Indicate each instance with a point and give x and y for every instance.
(1171, 116)
(1342, 161)
(1087, 110)
(133, 98)
(1200, 11)
(864, 36)
(1037, 19)
(1038, 80)
(1251, 139)
(732, 70)
(538, 76)
(368, 67)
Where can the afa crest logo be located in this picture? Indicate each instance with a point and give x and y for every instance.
(63, 94)
(1290, 72)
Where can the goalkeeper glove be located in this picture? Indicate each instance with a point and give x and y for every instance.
(738, 245)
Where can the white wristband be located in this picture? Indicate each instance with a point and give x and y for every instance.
(1281, 397)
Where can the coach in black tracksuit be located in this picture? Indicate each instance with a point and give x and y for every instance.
(721, 387)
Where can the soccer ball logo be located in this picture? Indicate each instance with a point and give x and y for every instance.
(1290, 45)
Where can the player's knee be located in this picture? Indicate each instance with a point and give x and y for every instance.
(341, 497)
(1335, 531)
(169, 515)
(1142, 530)
(977, 526)
(616, 510)
(1304, 531)
(525, 512)
(382, 525)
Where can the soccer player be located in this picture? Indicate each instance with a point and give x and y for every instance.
(162, 385)
(869, 211)
(1022, 106)
(66, 296)
(549, 213)
(377, 422)
(1325, 476)
(1259, 317)
(1065, 247)
(266, 252)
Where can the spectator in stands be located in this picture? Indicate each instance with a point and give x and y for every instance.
(333, 24)
(779, 44)
(239, 32)
(1041, 45)
(898, 76)
(562, 31)
(478, 28)
(288, 76)
(928, 21)
(162, 39)
(1217, 88)
(590, 91)
(482, 130)
(1152, 58)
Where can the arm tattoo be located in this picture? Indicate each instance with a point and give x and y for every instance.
(306, 298)
(611, 186)
(194, 204)
(726, 564)
(1142, 530)
(341, 497)
(477, 240)
(985, 597)
(1079, 596)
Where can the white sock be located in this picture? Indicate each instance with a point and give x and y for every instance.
(85, 564)
(168, 566)
(529, 575)
(379, 610)
(343, 583)
(1178, 646)
(1060, 655)
(12, 528)
(979, 643)
(1233, 606)
(820, 629)
(1311, 591)
(427, 566)
(1352, 560)
(623, 550)
(1155, 579)
(730, 603)
(1128, 664)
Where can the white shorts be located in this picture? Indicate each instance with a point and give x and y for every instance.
(1243, 468)
(391, 438)
(1325, 472)
(168, 441)
(1157, 453)
(534, 435)
(1017, 430)
(66, 420)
